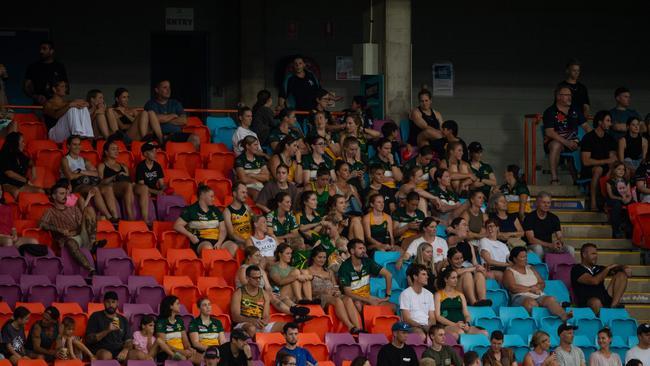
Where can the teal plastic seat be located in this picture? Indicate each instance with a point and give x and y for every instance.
(557, 289)
(478, 343)
(619, 321)
(485, 317)
(517, 321)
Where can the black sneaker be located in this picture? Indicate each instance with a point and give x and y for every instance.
(304, 302)
(484, 303)
(302, 319)
(98, 244)
(315, 302)
(299, 310)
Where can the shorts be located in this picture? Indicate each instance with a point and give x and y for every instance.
(195, 247)
(518, 299)
(565, 150)
(604, 298)
(170, 128)
(267, 328)
(586, 173)
(632, 162)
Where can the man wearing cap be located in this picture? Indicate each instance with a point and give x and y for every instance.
(441, 353)
(641, 351)
(149, 172)
(43, 335)
(588, 281)
(416, 302)
(211, 356)
(568, 354)
(108, 335)
(302, 355)
(237, 352)
(484, 172)
(397, 352)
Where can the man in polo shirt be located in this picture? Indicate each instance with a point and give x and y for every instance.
(561, 123)
(204, 330)
(588, 281)
(354, 276)
(567, 353)
(299, 88)
(641, 351)
(598, 152)
(622, 112)
(407, 219)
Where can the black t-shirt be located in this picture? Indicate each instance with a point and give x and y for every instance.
(389, 355)
(114, 341)
(149, 176)
(389, 195)
(228, 359)
(585, 292)
(302, 91)
(18, 163)
(566, 125)
(642, 174)
(506, 225)
(543, 229)
(600, 147)
(579, 94)
(42, 73)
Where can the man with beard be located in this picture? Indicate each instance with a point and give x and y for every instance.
(108, 335)
(302, 355)
(39, 74)
(598, 152)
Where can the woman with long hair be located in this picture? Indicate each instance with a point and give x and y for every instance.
(539, 354)
(471, 280)
(604, 356)
(97, 110)
(264, 241)
(287, 152)
(451, 306)
(317, 159)
(424, 122)
(14, 166)
(288, 127)
(281, 219)
(250, 167)
(136, 124)
(308, 218)
(171, 330)
(322, 128)
(354, 128)
(344, 188)
(324, 286)
(293, 283)
(424, 257)
(458, 237)
(474, 215)
(350, 227)
(116, 174)
(460, 173)
(378, 227)
(352, 156)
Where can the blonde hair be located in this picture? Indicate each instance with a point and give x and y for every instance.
(536, 340)
(419, 257)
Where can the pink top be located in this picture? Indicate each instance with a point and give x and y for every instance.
(71, 200)
(140, 342)
(6, 220)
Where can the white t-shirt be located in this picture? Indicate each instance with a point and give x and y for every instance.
(642, 355)
(419, 305)
(239, 135)
(498, 250)
(439, 245)
(266, 246)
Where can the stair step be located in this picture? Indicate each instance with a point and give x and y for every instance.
(555, 190)
(640, 271)
(606, 257)
(601, 243)
(586, 230)
(581, 217)
(638, 311)
(635, 285)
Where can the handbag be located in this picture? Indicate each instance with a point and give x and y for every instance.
(88, 180)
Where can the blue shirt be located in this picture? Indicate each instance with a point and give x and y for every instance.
(621, 116)
(172, 106)
(302, 356)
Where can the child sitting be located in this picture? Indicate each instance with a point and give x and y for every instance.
(145, 341)
(69, 346)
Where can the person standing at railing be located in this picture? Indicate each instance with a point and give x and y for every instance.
(561, 123)
(579, 93)
(39, 74)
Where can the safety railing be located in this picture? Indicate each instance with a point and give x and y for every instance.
(531, 121)
(189, 110)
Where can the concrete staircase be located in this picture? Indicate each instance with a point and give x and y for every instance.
(580, 226)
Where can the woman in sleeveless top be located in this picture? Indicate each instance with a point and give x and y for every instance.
(412, 183)
(471, 278)
(526, 287)
(287, 152)
(633, 147)
(461, 173)
(458, 233)
(424, 122)
(116, 175)
(378, 227)
(345, 189)
(74, 168)
(263, 240)
(604, 356)
(510, 229)
(475, 217)
(324, 287)
(539, 355)
(293, 283)
(350, 227)
(451, 307)
(308, 219)
(354, 128)
(323, 189)
(136, 124)
(330, 147)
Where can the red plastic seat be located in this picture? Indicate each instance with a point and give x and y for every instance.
(45, 178)
(184, 262)
(136, 234)
(188, 161)
(73, 310)
(321, 323)
(203, 132)
(207, 149)
(173, 148)
(217, 290)
(27, 198)
(91, 156)
(173, 240)
(222, 188)
(219, 263)
(50, 159)
(185, 188)
(30, 362)
(149, 262)
(175, 174)
(25, 117)
(223, 162)
(105, 230)
(34, 146)
(183, 288)
(194, 121)
(41, 236)
(36, 210)
(36, 310)
(33, 131)
(314, 345)
(379, 319)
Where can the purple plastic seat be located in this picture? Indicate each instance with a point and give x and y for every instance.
(145, 290)
(104, 363)
(39, 288)
(114, 262)
(73, 288)
(450, 340)
(49, 265)
(563, 273)
(186, 315)
(166, 201)
(135, 312)
(371, 343)
(419, 349)
(173, 213)
(415, 339)
(255, 350)
(140, 363)
(342, 347)
(258, 363)
(71, 267)
(103, 284)
(178, 363)
(459, 350)
(151, 210)
(9, 290)
(553, 259)
(11, 263)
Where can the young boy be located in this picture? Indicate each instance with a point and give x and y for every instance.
(149, 172)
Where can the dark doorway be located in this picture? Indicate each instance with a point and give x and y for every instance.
(182, 58)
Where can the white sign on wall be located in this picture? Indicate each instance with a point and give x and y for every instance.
(443, 79)
(179, 19)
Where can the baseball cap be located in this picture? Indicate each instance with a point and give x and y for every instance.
(475, 146)
(564, 327)
(146, 147)
(401, 326)
(239, 334)
(212, 352)
(643, 328)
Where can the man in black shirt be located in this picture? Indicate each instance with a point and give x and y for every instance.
(397, 352)
(149, 172)
(597, 152)
(237, 352)
(108, 335)
(579, 93)
(299, 88)
(41, 73)
(588, 281)
(561, 123)
(540, 226)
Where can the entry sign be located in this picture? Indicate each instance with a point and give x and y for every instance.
(443, 79)
(179, 19)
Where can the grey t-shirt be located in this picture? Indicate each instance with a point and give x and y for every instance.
(573, 358)
(14, 337)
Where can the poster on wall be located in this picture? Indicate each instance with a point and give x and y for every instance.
(443, 79)
(344, 68)
(372, 87)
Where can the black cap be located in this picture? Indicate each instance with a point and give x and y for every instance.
(475, 146)
(565, 326)
(239, 334)
(643, 328)
(212, 352)
(146, 147)
(110, 295)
